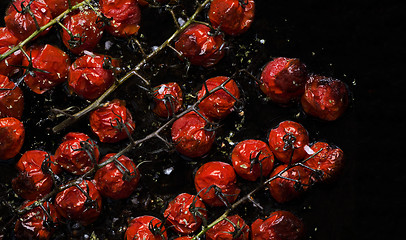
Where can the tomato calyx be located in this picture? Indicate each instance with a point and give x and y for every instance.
(238, 230)
(197, 211)
(90, 147)
(128, 175)
(157, 229)
(219, 193)
(89, 202)
(27, 9)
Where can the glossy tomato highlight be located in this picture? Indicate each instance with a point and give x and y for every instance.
(12, 136)
(146, 227)
(11, 99)
(7, 41)
(231, 228)
(168, 99)
(59, 6)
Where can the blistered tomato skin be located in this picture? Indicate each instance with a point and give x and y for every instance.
(11, 99)
(168, 99)
(199, 46)
(283, 80)
(288, 141)
(225, 230)
(7, 41)
(12, 136)
(125, 14)
(233, 17)
(216, 177)
(219, 103)
(140, 228)
(251, 158)
(59, 6)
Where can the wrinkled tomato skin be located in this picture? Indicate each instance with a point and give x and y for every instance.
(168, 99)
(224, 229)
(280, 225)
(59, 6)
(222, 176)
(35, 223)
(12, 136)
(180, 217)
(231, 16)
(199, 47)
(283, 80)
(325, 98)
(103, 122)
(71, 158)
(190, 137)
(8, 41)
(219, 103)
(22, 24)
(184, 238)
(110, 181)
(244, 152)
(11, 101)
(73, 204)
(126, 16)
(50, 59)
(139, 228)
(289, 137)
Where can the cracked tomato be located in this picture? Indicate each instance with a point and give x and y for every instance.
(12, 136)
(125, 16)
(168, 99)
(7, 41)
(146, 227)
(231, 228)
(11, 99)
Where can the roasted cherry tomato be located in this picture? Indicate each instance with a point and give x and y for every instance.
(7, 41)
(233, 17)
(11, 99)
(325, 98)
(112, 121)
(59, 6)
(37, 223)
(146, 227)
(283, 79)
(77, 153)
(118, 179)
(52, 64)
(91, 75)
(218, 104)
(24, 17)
(231, 228)
(288, 140)
(184, 238)
(12, 136)
(199, 46)
(186, 213)
(81, 203)
(280, 225)
(125, 14)
(216, 183)
(168, 99)
(252, 159)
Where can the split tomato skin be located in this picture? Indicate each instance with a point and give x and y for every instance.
(225, 230)
(125, 14)
(168, 99)
(59, 6)
(140, 228)
(12, 134)
(11, 101)
(7, 41)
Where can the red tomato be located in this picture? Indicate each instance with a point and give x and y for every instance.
(106, 121)
(81, 203)
(184, 238)
(59, 6)
(216, 183)
(325, 98)
(118, 179)
(7, 41)
(168, 99)
(283, 79)
(233, 17)
(20, 22)
(185, 213)
(125, 14)
(280, 225)
(190, 136)
(91, 75)
(12, 136)
(219, 103)
(288, 140)
(233, 227)
(199, 46)
(251, 159)
(73, 154)
(50, 59)
(146, 228)
(36, 223)
(11, 99)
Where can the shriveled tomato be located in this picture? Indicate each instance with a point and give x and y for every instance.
(186, 213)
(233, 17)
(12, 136)
(216, 183)
(11, 99)
(199, 46)
(146, 227)
(231, 228)
(118, 179)
(184, 238)
(190, 136)
(280, 225)
(252, 159)
(125, 14)
(218, 104)
(77, 153)
(81, 203)
(7, 41)
(283, 79)
(168, 99)
(325, 97)
(52, 64)
(110, 121)
(287, 141)
(37, 223)
(59, 6)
